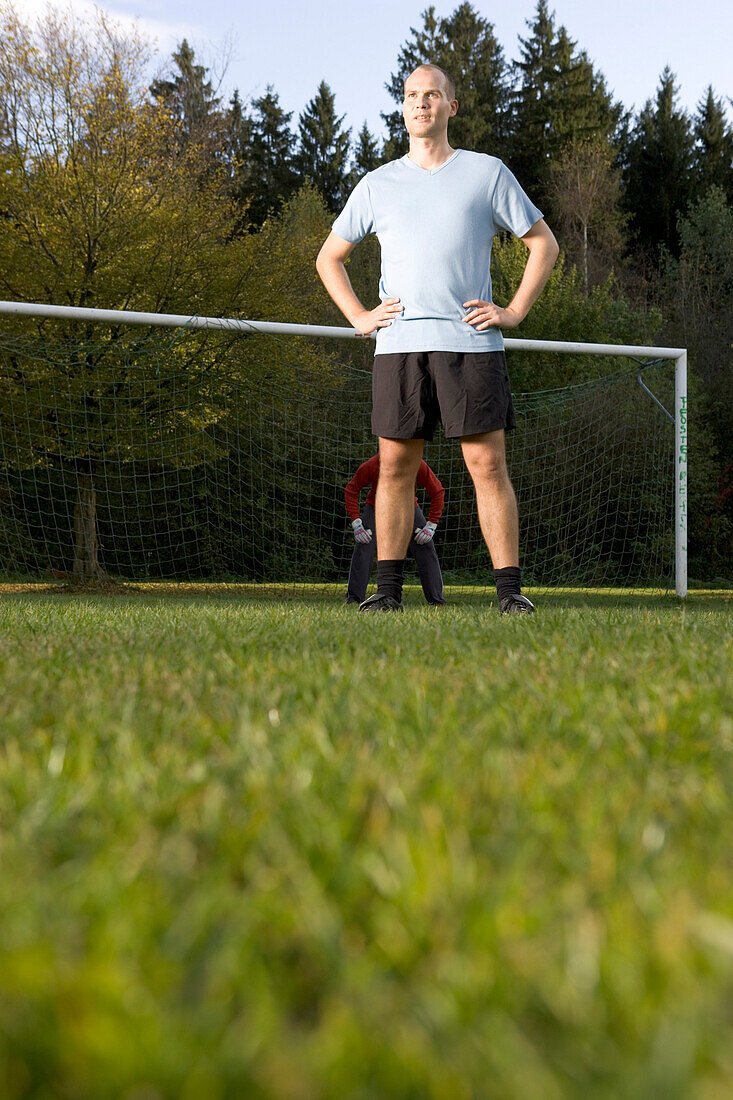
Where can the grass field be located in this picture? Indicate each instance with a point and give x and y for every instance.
(270, 848)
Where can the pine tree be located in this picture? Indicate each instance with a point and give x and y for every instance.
(475, 60)
(697, 303)
(272, 177)
(713, 147)
(465, 46)
(367, 155)
(238, 138)
(534, 102)
(559, 99)
(658, 172)
(699, 296)
(365, 158)
(323, 147)
(189, 96)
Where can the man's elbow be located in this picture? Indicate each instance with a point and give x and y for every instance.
(542, 240)
(553, 248)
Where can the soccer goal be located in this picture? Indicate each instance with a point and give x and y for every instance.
(154, 446)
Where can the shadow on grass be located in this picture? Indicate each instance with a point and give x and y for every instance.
(599, 598)
(331, 595)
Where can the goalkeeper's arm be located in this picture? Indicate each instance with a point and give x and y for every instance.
(365, 475)
(432, 486)
(436, 492)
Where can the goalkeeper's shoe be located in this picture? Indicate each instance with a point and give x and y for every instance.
(378, 602)
(516, 605)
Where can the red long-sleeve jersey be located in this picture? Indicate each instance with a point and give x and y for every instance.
(368, 474)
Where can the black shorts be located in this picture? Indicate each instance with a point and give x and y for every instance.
(468, 391)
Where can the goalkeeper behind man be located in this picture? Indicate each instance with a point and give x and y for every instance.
(421, 545)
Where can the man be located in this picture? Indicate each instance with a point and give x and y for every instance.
(421, 545)
(439, 350)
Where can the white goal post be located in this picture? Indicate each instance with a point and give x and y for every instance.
(679, 355)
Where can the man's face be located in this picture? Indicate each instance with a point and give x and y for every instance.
(426, 107)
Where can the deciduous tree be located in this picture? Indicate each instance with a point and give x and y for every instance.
(584, 192)
(103, 206)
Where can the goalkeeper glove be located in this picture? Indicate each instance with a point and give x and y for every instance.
(361, 533)
(424, 534)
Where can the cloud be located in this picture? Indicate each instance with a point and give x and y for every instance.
(163, 33)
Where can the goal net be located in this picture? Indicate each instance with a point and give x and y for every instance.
(148, 453)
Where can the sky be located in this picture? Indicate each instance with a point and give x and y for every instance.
(353, 45)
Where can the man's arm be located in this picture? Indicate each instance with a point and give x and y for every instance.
(543, 251)
(330, 266)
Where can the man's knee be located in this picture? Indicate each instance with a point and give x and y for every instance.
(488, 468)
(397, 462)
(395, 471)
(485, 457)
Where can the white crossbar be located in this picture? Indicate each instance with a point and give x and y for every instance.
(232, 324)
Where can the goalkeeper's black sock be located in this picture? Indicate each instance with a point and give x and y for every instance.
(389, 578)
(508, 581)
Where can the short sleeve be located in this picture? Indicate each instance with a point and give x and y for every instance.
(510, 206)
(356, 219)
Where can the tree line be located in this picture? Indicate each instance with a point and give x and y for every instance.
(119, 192)
(645, 199)
(617, 182)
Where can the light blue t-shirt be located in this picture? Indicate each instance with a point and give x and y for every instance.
(436, 229)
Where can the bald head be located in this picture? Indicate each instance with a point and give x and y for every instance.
(448, 83)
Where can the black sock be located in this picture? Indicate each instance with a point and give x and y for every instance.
(508, 581)
(389, 578)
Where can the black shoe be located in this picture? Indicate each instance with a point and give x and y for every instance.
(353, 601)
(379, 602)
(516, 605)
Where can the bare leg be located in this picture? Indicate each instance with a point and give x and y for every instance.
(497, 506)
(399, 462)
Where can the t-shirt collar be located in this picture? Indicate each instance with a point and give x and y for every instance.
(430, 171)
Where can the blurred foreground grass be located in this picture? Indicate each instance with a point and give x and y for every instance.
(269, 848)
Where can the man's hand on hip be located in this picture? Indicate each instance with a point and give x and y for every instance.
(487, 315)
(371, 319)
